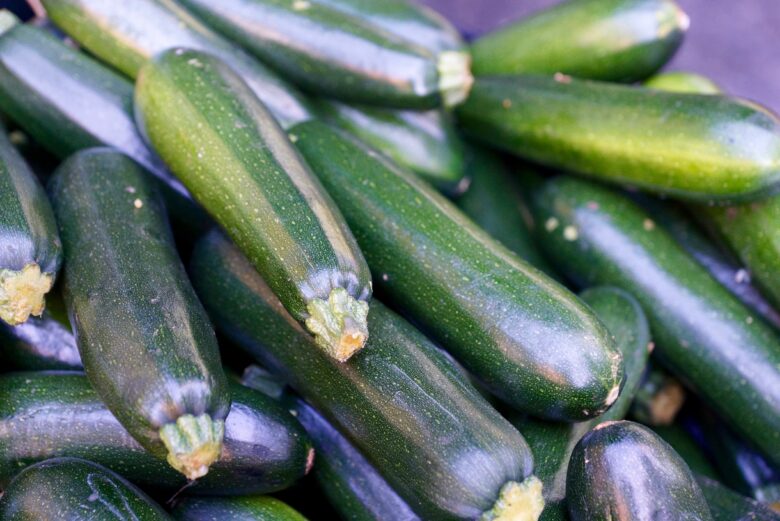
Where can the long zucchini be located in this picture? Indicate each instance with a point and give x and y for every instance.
(70, 488)
(145, 341)
(609, 40)
(30, 249)
(264, 450)
(218, 138)
(700, 147)
(250, 508)
(438, 443)
(127, 34)
(528, 339)
(709, 339)
(622, 471)
(727, 505)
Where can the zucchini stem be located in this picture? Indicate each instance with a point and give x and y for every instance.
(455, 79)
(193, 443)
(517, 502)
(22, 293)
(339, 325)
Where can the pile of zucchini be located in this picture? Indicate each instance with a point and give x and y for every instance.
(290, 259)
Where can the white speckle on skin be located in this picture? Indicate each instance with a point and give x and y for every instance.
(570, 233)
(301, 5)
(741, 276)
(551, 224)
(562, 78)
(648, 225)
(749, 320)
(130, 189)
(138, 203)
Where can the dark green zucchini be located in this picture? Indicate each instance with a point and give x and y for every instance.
(609, 40)
(683, 82)
(497, 315)
(622, 471)
(145, 341)
(127, 34)
(700, 147)
(218, 138)
(688, 449)
(436, 441)
(727, 505)
(255, 377)
(30, 249)
(494, 201)
(709, 339)
(659, 398)
(50, 414)
(249, 508)
(71, 489)
(425, 142)
(341, 55)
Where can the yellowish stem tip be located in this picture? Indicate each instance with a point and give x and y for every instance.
(517, 502)
(193, 443)
(339, 324)
(22, 293)
(455, 78)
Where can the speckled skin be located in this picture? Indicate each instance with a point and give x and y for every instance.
(145, 341)
(705, 335)
(50, 414)
(631, 135)
(553, 443)
(438, 443)
(70, 489)
(622, 471)
(248, 508)
(225, 146)
(521, 333)
(727, 505)
(127, 34)
(609, 40)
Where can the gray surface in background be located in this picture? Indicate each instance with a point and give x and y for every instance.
(734, 42)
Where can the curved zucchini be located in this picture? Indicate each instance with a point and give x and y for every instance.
(425, 142)
(709, 339)
(341, 55)
(494, 313)
(220, 141)
(688, 449)
(145, 341)
(264, 448)
(659, 398)
(30, 249)
(683, 82)
(631, 135)
(609, 40)
(249, 508)
(70, 488)
(727, 505)
(622, 471)
(127, 34)
(400, 401)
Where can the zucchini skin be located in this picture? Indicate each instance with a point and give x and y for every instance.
(265, 449)
(706, 337)
(145, 341)
(238, 163)
(426, 256)
(70, 488)
(399, 385)
(727, 505)
(30, 248)
(622, 471)
(608, 40)
(248, 508)
(687, 448)
(679, 81)
(42, 343)
(127, 34)
(425, 142)
(628, 135)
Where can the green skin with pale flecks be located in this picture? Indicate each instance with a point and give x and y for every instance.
(247, 508)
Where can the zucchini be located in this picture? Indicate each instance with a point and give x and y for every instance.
(265, 449)
(30, 248)
(70, 488)
(399, 401)
(249, 508)
(494, 201)
(494, 313)
(552, 443)
(622, 471)
(659, 398)
(609, 40)
(688, 449)
(683, 82)
(218, 138)
(631, 135)
(259, 379)
(145, 341)
(425, 142)
(709, 339)
(341, 55)
(727, 505)
(127, 34)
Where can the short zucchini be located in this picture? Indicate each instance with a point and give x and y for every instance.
(145, 341)
(223, 144)
(248, 508)
(727, 505)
